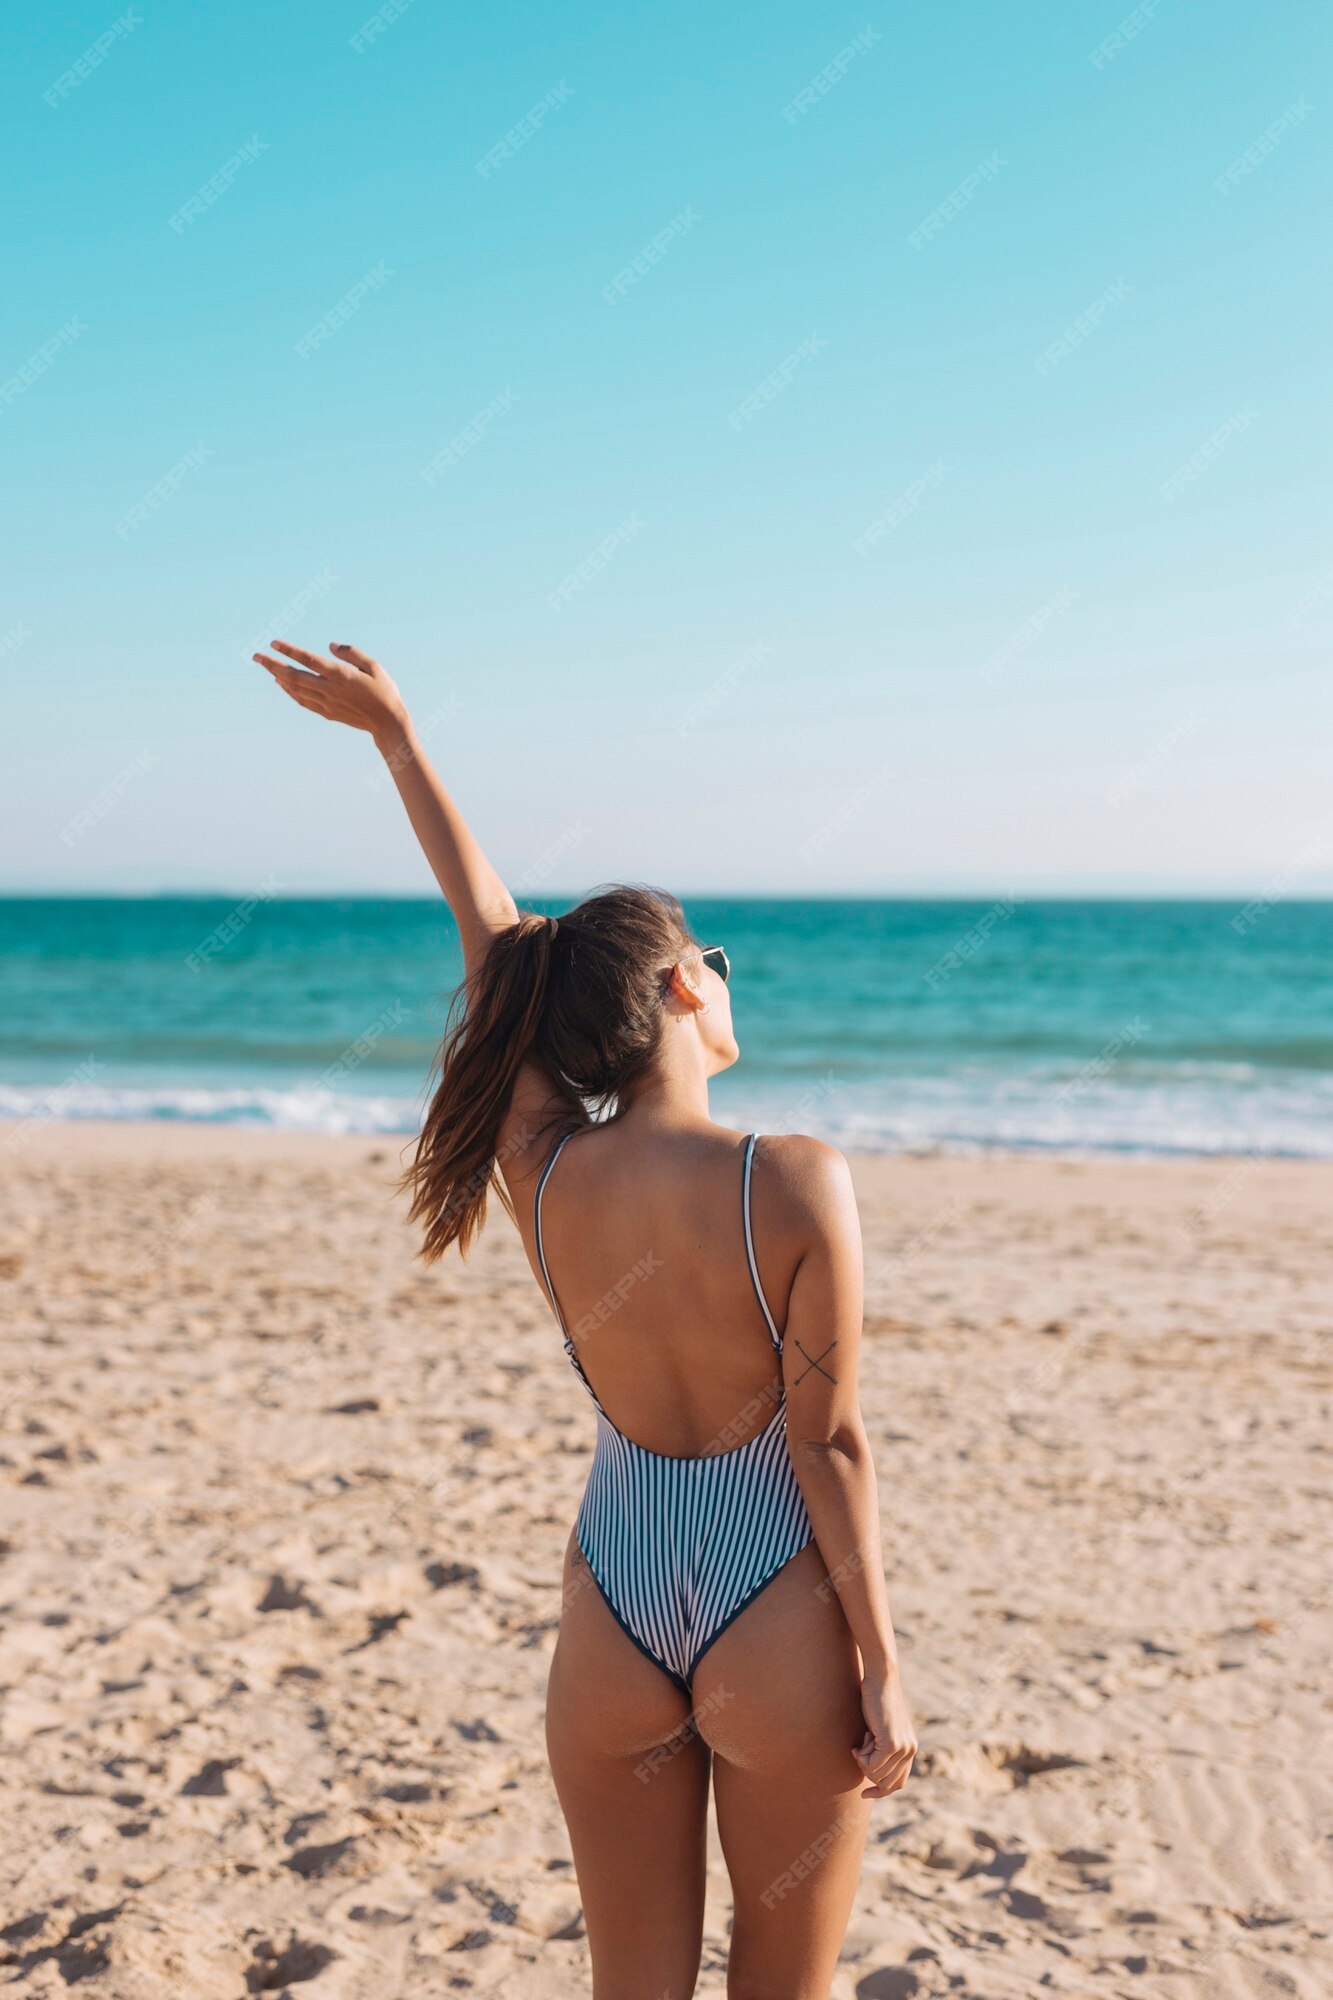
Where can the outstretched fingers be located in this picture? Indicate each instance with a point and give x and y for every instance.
(354, 657)
(286, 675)
(329, 670)
(306, 690)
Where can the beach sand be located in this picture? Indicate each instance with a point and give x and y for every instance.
(283, 1516)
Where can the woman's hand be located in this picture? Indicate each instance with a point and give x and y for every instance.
(889, 1746)
(352, 688)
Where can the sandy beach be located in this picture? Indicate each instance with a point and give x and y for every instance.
(283, 1514)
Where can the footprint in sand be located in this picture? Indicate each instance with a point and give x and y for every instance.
(313, 1864)
(893, 1983)
(274, 1966)
(283, 1595)
(477, 1732)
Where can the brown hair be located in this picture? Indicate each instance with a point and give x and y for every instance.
(580, 995)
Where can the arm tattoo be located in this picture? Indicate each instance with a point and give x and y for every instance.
(815, 1361)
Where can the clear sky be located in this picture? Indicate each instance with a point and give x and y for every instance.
(781, 448)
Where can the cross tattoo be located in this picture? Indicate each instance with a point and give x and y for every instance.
(814, 1361)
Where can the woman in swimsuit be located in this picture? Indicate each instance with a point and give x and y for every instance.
(724, 1607)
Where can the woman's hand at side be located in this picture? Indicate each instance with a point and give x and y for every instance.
(350, 688)
(889, 1745)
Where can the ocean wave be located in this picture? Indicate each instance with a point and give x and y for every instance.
(982, 1111)
(970, 1112)
(301, 1108)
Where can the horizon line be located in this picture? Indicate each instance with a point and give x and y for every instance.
(988, 894)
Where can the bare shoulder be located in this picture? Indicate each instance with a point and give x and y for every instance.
(807, 1181)
(537, 1119)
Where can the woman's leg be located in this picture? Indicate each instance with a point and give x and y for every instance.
(778, 1699)
(632, 1777)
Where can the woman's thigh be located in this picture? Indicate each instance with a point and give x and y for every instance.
(778, 1700)
(632, 1778)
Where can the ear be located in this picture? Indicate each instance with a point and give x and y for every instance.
(683, 990)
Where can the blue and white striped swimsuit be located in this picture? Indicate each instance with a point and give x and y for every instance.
(680, 1546)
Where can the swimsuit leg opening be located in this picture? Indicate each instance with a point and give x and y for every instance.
(630, 1633)
(747, 1601)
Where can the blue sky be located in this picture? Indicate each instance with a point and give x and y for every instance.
(957, 459)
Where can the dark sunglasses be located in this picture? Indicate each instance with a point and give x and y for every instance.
(717, 961)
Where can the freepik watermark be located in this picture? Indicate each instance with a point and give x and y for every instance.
(92, 58)
(614, 1297)
(528, 126)
(550, 858)
(1105, 1060)
(347, 307)
(1319, 594)
(593, 565)
(809, 1859)
(363, 1048)
(469, 437)
(157, 496)
(110, 796)
(479, 1182)
(1083, 327)
(1028, 633)
(652, 253)
(405, 753)
(745, 1424)
(663, 1753)
(152, 1258)
(1267, 142)
(14, 640)
(1208, 453)
(216, 185)
(899, 1262)
(795, 1117)
(953, 204)
(844, 1571)
(293, 610)
(832, 73)
(237, 919)
(1147, 766)
(900, 509)
(1120, 37)
(1206, 1212)
(379, 24)
(718, 691)
(37, 364)
(1278, 889)
(773, 384)
(55, 1102)
(846, 816)
(973, 940)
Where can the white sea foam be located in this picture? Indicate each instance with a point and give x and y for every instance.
(301, 1108)
(1191, 1110)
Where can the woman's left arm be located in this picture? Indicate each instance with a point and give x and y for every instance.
(356, 690)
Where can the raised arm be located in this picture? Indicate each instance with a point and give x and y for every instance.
(352, 688)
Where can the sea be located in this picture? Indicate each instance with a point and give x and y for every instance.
(1153, 1027)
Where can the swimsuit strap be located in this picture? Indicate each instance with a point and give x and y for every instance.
(570, 1348)
(537, 1232)
(773, 1333)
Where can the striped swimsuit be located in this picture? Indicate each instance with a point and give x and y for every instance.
(680, 1546)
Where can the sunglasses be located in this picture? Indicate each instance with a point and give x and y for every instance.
(717, 961)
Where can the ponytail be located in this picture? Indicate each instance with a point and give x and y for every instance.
(494, 1022)
(588, 1011)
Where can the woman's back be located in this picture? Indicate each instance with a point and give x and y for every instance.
(645, 1248)
(724, 1622)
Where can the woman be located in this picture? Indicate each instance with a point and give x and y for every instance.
(724, 1604)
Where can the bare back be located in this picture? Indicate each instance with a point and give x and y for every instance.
(645, 1246)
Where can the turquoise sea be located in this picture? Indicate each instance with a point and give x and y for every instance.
(1089, 1026)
